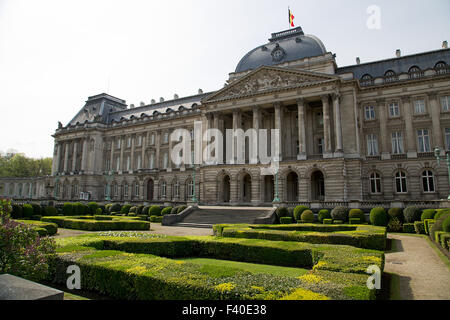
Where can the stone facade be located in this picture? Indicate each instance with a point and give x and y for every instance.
(358, 135)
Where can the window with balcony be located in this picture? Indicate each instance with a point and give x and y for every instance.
(372, 144)
(397, 143)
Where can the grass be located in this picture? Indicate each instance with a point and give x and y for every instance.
(249, 267)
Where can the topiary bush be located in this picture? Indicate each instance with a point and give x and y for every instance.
(438, 225)
(27, 210)
(37, 209)
(339, 213)
(50, 211)
(395, 225)
(116, 207)
(408, 228)
(133, 210)
(145, 210)
(357, 213)
(379, 217)
(440, 213)
(282, 212)
(166, 210)
(155, 211)
(139, 209)
(67, 209)
(308, 216)
(412, 214)
(98, 211)
(181, 209)
(396, 213)
(80, 209)
(427, 214)
(93, 206)
(17, 211)
(125, 209)
(323, 214)
(298, 210)
(174, 210)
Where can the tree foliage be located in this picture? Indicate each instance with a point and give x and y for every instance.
(20, 166)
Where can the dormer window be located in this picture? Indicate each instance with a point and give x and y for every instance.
(366, 80)
(441, 68)
(390, 76)
(415, 72)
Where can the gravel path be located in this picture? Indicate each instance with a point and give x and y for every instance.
(421, 274)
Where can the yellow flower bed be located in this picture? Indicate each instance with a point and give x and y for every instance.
(303, 294)
(225, 287)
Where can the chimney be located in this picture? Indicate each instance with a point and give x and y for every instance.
(142, 104)
(398, 53)
(153, 101)
(175, 96)
(131, 106)
(358, 60)
(161, 99)
(445, 45)
(200, 91)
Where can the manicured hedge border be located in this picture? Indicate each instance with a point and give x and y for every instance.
(43, 228)
(361, 236)
(338, 271)
(98, 225)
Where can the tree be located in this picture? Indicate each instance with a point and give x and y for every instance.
(20, 166)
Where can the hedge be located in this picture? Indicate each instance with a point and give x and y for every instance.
(50, 211)
(181, 209)
(419, 227)
(286, 220)
(68, 209)
(49, 228)
(427, 214)
(140, 274)
(166, 210)
(355, 221)
(282, 212)
(428, 223)
(340, 213)
(28, 211)
(408, 228)
(446, 224)
(368, 237)
(115, 208)
(92, 207)
(438, 225)
(145, 210)
(358, 214)
(412, 214)
(37, 209)
(96, 225)
(17, 211)
(396, 213)
(379, 217)
(327, 221)
(157, 219)
(125, 208)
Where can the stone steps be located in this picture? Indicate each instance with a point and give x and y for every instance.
(203, 218)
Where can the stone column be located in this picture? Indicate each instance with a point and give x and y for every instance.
(339, 152)
(66, 156)
(410, 135)
(384, 146)
(237, 120)
(133, 137)
(84, 155)
(435, 118)
(111, 159)
(326, 127)
(74, 156)
(169, 158)
(279, 126)
(122, 150)
(157, 146)
(256, 127)
(56, 167)
(143, 150)
(301, 130)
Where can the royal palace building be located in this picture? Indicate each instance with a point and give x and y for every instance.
(359, 135)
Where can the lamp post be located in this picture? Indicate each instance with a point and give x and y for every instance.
(437, 153)
(277, 199)
(194, 197)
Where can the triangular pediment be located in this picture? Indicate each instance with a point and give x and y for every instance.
(267, 79)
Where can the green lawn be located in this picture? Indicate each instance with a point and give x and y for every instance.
(254, 268)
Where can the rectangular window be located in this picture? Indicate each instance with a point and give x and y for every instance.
(129, 142)
(151, 161)
(397, 143)
(139, 141)
(419, 106)
(372, 145)
(139, 162)
(136, 189)
(165, 160)
(445, 102)
(320, 143)
(176, 189)
(152, 139)
(128, 163)
(166, 137)
(423, 140)
(447, 138)
(370, 112)
(125, 190)
(118, 143)
(108, 165)
(394, 110)
(118, 164)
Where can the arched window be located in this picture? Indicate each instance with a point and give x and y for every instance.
(428, 181)
(415, 72)
(366, 80)
(375, 182)
(441, 68)
(390, 76)
(400, 182)
(163, 189)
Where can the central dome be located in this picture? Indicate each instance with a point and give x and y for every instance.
(285, 46)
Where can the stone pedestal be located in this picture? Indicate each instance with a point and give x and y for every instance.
(15, 288)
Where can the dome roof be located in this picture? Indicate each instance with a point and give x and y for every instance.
(284, 46)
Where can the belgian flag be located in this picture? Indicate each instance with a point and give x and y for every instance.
(291, 18)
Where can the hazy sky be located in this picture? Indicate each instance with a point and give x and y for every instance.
(54, 54)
